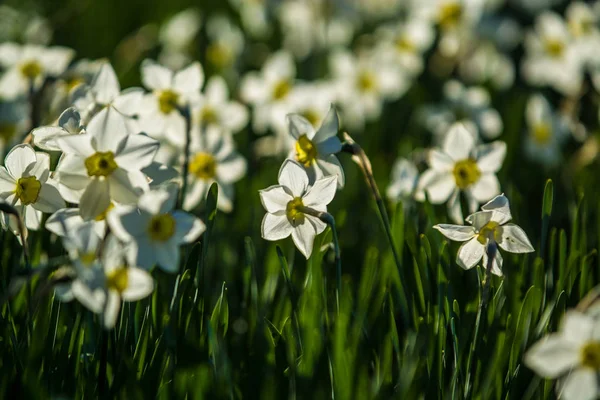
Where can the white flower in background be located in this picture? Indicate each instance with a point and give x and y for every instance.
(160, 116)
(362, 83)
(105, 90)
(154, 230)
(26, 27)
(28, 66)
(103, 164)
(269, 90)
(316, 149)
(486, 64)
(255, 16)
(25, 185)
(571, 355)
(375, 9)
(461, 166)
(463, 104)
(403, 181)
(546, 131)
(488, 227)
(213, 158)
(177, 35)
(551, 59)
(14, 123)
(69, 123)
(582, 22)
(284, 204)
(214, 108)
(406, 42)
(67, 220)
(226, 42)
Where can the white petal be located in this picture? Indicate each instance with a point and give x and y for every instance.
(294, 177)
(33, 218)
(440, 161)
(581, 384)
(111, 309)
(298, 126)
(7, 183)
(321, 193)
(500, 207)
(167, 256)
(231, 169)
(136, 152)
(454, 207)
(79, 145)
(470, 253)
(329, 127)
(159, 201)
(129, 102)
(330, 166)
(274, 198)
(514, 239)
(108, 129)
(491, 156)
(139, 284)
(106, 85)
(578, 328)
(71, 172)
(189, 79)
(64, 221)
(19, 159)
(275, 227)
(49, 199)
(40, 169)
(95, 199)
(127, 223)
(439, 185)
(188, 228)
(458, 142)
(552, 356)
(44, 137)
(497, 263)
(216, 91)
(304, 237)
(485, 188)
(127, 186)
(155, 76)
(142, 253)
(459, 233)
(331, 145)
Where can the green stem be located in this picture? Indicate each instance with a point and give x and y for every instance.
(185, 113)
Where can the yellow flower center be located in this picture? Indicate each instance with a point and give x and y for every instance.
(167, 101)
(466, 173)
(104, 213)
(28, 189)
(118, 279)
(306, 152)
(489, 231)
(101, 164)
(281, 90)
(554, 47)
(295, 216)
(590, 355)
(404, 44)
(542, 133)
(204, 166)
(7, 130)
(312, 116)
(161, 227)
(87, 259)
(31, 69)
(208, 115)
(582, 27)
(218, 55)
(73, 82)
(366, 81)
(450, 14)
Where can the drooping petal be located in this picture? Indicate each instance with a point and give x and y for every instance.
(514, 239)
(275, 227)
(304, 237)
(33, 218)
(293, 176)
(552, 356)
(321, 193)
(136, 152)
(470, 253)
(490, 156)
(139, 284)
(188, 228)
(95, 199)
(19, 160)
(458, 233)
(155, 76)
(274, 198)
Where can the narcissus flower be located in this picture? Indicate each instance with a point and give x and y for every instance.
(571, 355)
(154, 230)
(461, 166)
(69, 123)
(403, 181)
(316, 149)
(24, 184)
(103, 164)
(285, 202)
(489, 226)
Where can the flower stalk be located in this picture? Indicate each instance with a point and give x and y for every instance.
(186, 114)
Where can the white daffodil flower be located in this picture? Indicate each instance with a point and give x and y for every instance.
(154, 230)
(547, 131)
(103, 164)
(226, 43)
(316, 150)
(551, 59)
(25, 185)
(269, 90)
(489, 226)
(177, 35)
(254, 16)
(403, 182)
(14, 123)
(469, 105)
(284, 204)
(66, 220)
(572, 355)
(160, 115)
(461, 166)
(487, 64)
(363, 82)
(105, 91)
(28, 66)
(213, 158)
(215, 109)
(69, 123)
